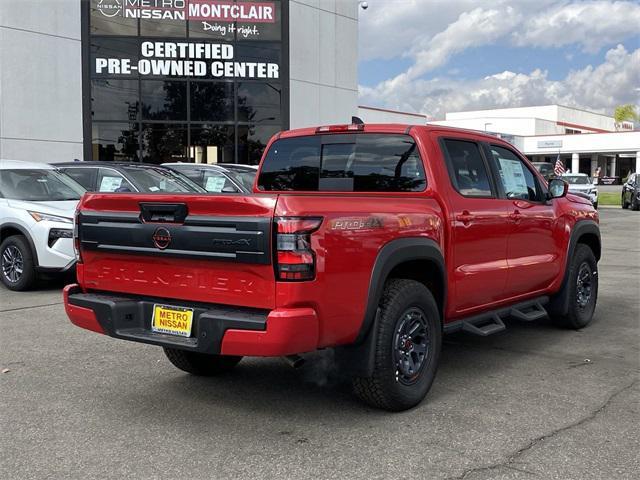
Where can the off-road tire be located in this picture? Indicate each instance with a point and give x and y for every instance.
(383, 389)
(579, 317)
(28, 276)
(201, 364)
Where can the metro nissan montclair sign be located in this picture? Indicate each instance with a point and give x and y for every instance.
(206, 10)
(191, 59)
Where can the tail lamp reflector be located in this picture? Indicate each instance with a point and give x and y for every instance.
(295, 259)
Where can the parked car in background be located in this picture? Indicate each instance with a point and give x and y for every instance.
(37, 205)
(581, 184)
(218, 178)
(631, 192)
(545, 169)
(127, 177)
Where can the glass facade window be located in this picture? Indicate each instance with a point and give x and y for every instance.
(180, 84)
(114, 141)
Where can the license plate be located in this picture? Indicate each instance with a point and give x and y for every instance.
(172, 320)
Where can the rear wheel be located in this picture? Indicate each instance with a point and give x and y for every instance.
(17, 270)
(582, 289)
(409, 338)
(201, 363)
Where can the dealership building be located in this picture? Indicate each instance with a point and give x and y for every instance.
(170, 80)
(583, 140)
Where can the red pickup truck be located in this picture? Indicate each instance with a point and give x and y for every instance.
(374, 240)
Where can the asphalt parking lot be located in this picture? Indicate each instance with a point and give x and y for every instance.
(533, 402)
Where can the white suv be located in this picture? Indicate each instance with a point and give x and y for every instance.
(37, 205)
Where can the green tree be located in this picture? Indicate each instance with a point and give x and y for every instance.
(626, 112)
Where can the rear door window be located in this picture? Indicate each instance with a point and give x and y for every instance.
(348, 163)
(468, 170)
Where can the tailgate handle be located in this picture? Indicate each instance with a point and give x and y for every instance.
(163, 212)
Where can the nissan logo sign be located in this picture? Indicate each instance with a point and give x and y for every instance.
(161, 238)
(109, 8)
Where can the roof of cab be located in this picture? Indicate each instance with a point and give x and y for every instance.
(397, 128)
(6, 164)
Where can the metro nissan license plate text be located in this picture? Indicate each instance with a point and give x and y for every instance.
(172, 320)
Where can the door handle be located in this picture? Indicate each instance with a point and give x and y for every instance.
(465, 217)
(516, 216)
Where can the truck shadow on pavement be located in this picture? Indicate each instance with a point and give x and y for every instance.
(272, 387)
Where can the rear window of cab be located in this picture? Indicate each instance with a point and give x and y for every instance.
(362, 162)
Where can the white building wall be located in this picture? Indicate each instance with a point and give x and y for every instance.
(587, 119)
(549, 119)
(507, 125)
(40, 80)
(379, 115)
(616, 142)
(323, 53)
(545, 112)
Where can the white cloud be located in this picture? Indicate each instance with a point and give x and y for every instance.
(430, 33)
(600, 88)
(592, 25)
(433, 30)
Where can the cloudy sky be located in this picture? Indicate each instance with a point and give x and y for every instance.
(434, 56)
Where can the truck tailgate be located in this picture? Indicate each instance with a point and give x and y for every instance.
(200, 248)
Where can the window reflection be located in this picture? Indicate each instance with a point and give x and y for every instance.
(114, 100)
(164, 100)
(252, 140)
(115, 142)
(212, 144)
(259, 102)
(163, 143)
(211, 101)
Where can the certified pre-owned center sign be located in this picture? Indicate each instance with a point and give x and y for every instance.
(186, 59)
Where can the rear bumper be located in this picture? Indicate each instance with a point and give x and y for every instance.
(217, 329)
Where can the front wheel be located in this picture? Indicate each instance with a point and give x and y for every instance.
(201, 364)
(635, 205)
(582, 289)
(625, 204)
(17, 270)
(407, 350)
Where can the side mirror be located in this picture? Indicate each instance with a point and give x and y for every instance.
(558, 188)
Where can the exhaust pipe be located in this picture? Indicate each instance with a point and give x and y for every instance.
(296, 361)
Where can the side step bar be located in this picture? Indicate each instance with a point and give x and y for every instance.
(491, 322)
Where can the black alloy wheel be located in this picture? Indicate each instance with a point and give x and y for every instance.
(411, 345)
(12, 264)
(584, 285)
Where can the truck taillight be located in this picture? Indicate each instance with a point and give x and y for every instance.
(295, 259)
(76, 236)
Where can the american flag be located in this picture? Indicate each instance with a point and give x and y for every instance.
(558, 169)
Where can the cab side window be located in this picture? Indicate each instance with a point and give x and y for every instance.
(467, 168)
(518, 182)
